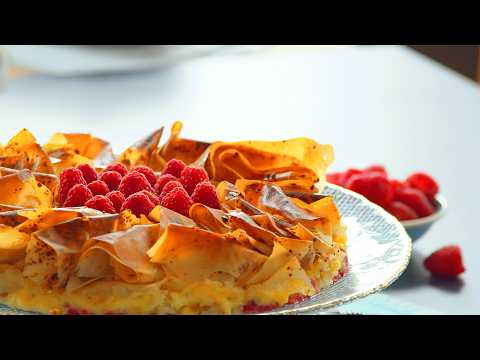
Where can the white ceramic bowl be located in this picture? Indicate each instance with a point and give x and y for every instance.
(419, 227)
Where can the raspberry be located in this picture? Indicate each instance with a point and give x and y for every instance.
(68, 178)
(111, 178)
(177, 200)
(253, 308)
(120, 168)
(296, 298)
(133, 183)
(416, 200)
(147, 172)
(374, 186)
(98, 187)
(101, 203)
(397, 185)
(376, 169)
(401, 211)
(206, 194)
(424, 183)
(138, 204)
(153, 197)
(169, 187)
(117, 199)
(336, 178)
(191, 176)
(162, 181)
(174, 167)
(446, 262)
(347, 175)
(77, 196)
(89, 173)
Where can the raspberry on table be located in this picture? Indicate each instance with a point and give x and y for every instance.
(191, 176)
(162, 181)
(169, 187)
(138, 204)
(117, 199)
(111, 178)
(153, 197)
(417, 200)
(206, 194)
(374, 186)
(101, 203)
(401, 211)
(147, 172)
(425, 183)
(98, 187)
(446, 262)
(174, 167)
(118, 167)
(78, 195)
(89, 173)
(178, 200)
(69, 178)
(133, 183)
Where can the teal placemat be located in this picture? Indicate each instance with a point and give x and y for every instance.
(382, 304)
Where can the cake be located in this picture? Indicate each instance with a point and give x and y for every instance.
(245, 229)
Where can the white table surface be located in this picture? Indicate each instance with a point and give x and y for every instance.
(382, 104)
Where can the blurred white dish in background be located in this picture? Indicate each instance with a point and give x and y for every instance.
(77, 60)
(3, 70)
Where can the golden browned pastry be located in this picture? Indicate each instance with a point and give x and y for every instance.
(271, 241)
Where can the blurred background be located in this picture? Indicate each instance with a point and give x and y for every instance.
(111, 59)
(462, 58)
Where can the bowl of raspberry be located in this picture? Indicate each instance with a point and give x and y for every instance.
(415, 201)
(416, 228)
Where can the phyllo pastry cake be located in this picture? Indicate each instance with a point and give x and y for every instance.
(180, 227)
